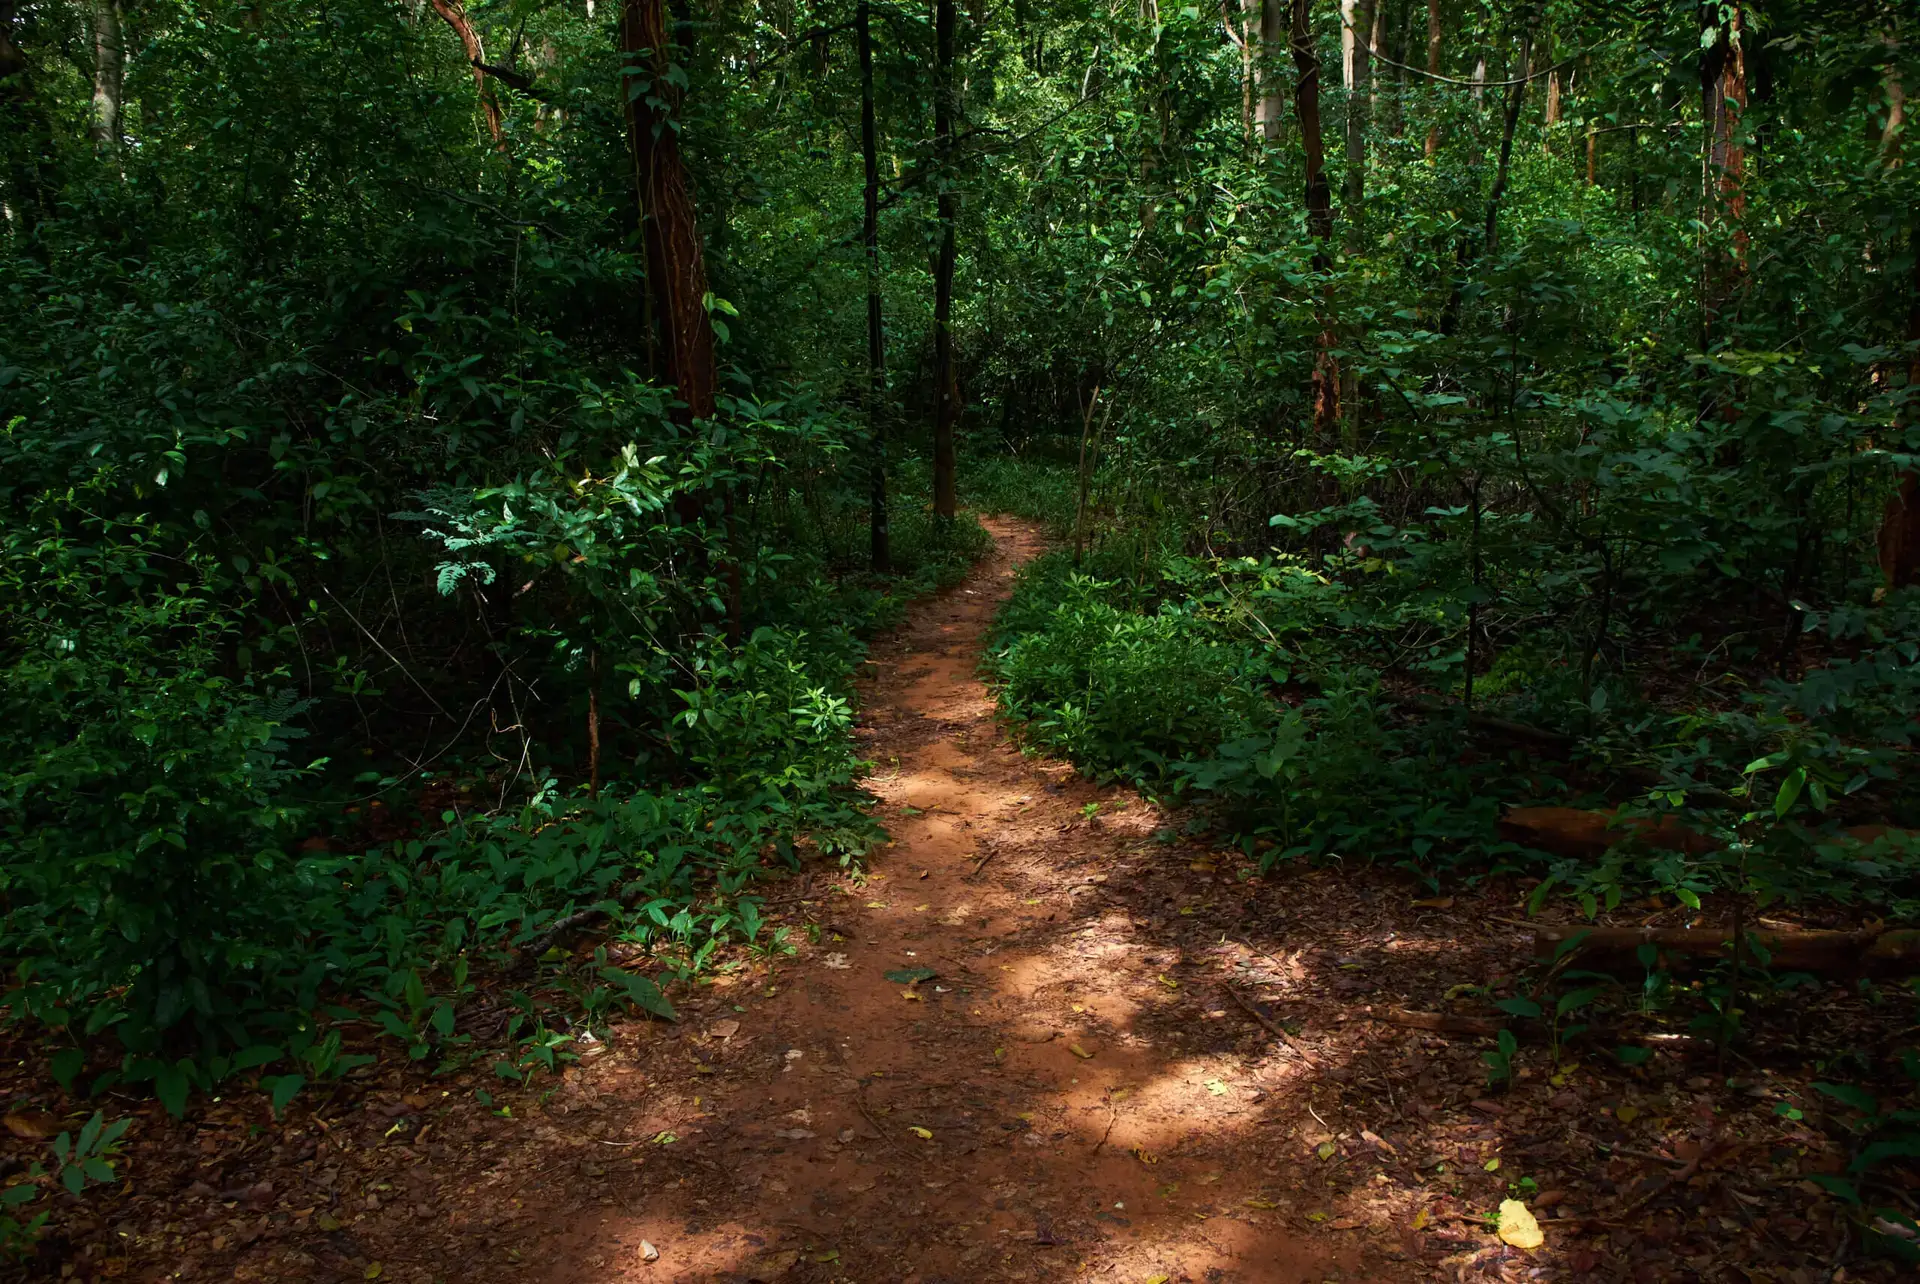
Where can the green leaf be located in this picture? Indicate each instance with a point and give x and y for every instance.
(171, 1084)
(282, 1089)
(1518, 1006)
(641, 992)
(66, 1065)
(1849, 1095)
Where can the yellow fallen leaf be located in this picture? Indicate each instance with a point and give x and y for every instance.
(1260, 1203)
(1079, 1007)
(1627, 1114)
(1171, 985)
(1318, 1217)
(1437, 902)
(1025, 1116)
(1158, 1279)
(1201, 867)
(374, 1272)
(1420, 1220)
(921, 1133)
(1492, 1165)
(921, 909)
(1517, 1226)
(1217, 1088)
(1326, 1150)
(876, 904)
(1079, 1051)
(1145, 1156)
(327, 1222)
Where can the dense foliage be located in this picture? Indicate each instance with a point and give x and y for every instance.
(391, 580)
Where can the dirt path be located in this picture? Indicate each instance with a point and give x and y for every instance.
(1063, 1093)
(1136, 1059)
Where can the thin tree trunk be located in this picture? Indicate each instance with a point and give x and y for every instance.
(30, 172)
(1319, 201)
(1433, 67)
(945, 409)
(1516, 95)
(456, 17)
(1593, 154)
(1723, 92)
(876, 337)
(109, 72)
(1553, 111)
(1896, 116)
(1273, 38)
(1356, 21)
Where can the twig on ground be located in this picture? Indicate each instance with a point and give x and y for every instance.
(1272, 1027)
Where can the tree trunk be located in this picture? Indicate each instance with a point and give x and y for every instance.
(1553, 111)
(1319, 199)
(876, 337)
(1356, 22)
(1433, 68)
(456, 17)
(1723, 95)
(945, 409)
(1900, 528)
(676, 260)
(109, 72)
(1516, 95)
(29, 150)
(1273, 37)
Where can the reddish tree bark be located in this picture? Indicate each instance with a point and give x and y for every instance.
(1433, 66)
(1723, 97)
(1306, 106)
(946, 401)
(676, 261)
(456, 17)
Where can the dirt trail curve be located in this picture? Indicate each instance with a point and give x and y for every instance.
(1067, 1093)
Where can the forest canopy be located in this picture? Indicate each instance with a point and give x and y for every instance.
(452, 456)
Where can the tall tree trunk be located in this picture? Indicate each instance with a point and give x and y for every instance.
(1356, 23)
(1553, 111)
(1273, 38)
(109, 72)
(1319, 200)
(676, 260)
(456, 17)
(944, 399)
(876, 337)
(1433, 68)
(1723, 97)
(28, 138)
(1516, 95)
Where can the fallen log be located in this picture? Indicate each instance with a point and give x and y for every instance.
(1866, 950)
(1440, 1022)
(1572, 831)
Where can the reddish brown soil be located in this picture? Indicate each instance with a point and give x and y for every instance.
(1135, 1060)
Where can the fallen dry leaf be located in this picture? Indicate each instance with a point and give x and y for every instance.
(34, 1125)
(1517, 1226)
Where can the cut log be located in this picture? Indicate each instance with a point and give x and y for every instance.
(1869, 949)
(1570, 831)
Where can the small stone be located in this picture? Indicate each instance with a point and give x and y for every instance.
(648, 1253)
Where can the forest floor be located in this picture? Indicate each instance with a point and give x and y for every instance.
(1128, 1057)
